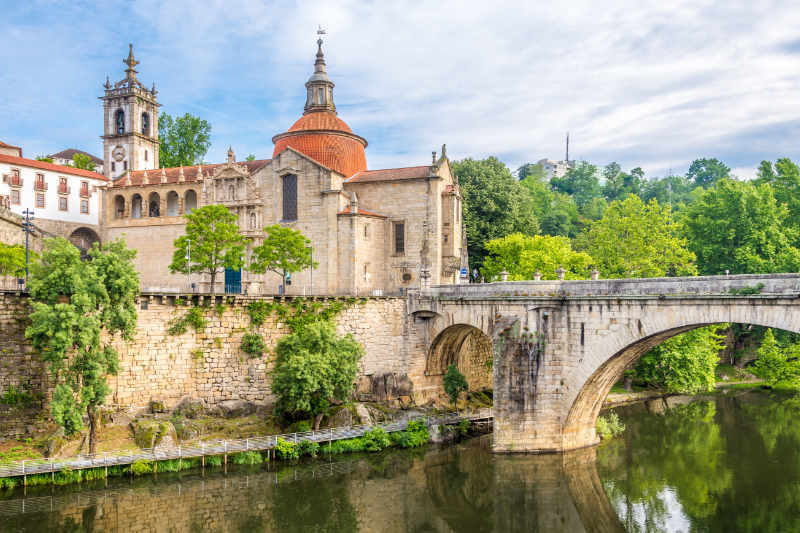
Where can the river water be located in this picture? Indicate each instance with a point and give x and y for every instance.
(730, 463)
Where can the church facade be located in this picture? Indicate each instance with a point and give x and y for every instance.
(372, 232)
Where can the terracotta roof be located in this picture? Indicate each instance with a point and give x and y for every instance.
(321, 120)
(69, 152)
(5, 145)
(347, 211)
(61, 169)
(391, 174)
(173, 174)
(338, 151)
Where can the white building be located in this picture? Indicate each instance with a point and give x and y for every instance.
(555, 169)
(64, 157)
(65, 200)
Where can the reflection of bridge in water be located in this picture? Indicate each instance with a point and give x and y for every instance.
(559, 346)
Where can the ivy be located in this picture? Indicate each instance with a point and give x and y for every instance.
(195, 317)
(253, 344)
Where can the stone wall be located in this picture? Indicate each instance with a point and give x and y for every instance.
(210, 365)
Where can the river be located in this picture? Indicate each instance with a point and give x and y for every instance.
(728, 463)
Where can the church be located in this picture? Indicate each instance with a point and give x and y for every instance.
(372, 231)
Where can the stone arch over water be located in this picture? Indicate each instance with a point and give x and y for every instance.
(465, 346)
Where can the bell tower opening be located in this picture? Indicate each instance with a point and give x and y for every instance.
(130, 110)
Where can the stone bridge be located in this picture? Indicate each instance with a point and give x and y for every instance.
(559, 346)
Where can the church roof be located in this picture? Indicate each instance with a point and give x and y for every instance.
(61, 169)
(322, 120)
(391, 174)
(173, 175)
(69, 152)
(6, 145)
(348, 211)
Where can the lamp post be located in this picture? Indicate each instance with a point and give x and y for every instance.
(27, 227)
(188, 266)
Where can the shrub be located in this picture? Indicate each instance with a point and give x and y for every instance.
(463, 427)
(253, 344)
(307, 447)
(376, 440)
(286, 450)
(247, 458)
(454, 383)
(609, 426)
(214, 460)
(415, 435)
(141, 466)
(258, 311)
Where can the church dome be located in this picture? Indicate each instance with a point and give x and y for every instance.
(319, 133)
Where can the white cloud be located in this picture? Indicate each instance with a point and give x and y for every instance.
(651, 84)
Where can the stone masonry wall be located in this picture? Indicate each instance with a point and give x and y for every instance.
(210, 365)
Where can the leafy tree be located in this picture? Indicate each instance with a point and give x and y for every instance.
(580, 182)
(78, 308)
(773, 364)
(521, 256)
(784, 178)
(183, 141)
(532, 171)
(672, 190)
(620, 184)
(82, 161)
(738, 226)
(706, 172)
(214, 243)
(454, 383)
(250, 157)
(44, 158)
(684, 363)
(556, 212)
(12, 259)
(495, 204)
(283, 251)
(314, 366)
(638, 239)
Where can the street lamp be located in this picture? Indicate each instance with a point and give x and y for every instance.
(188, 266)
(27, 227)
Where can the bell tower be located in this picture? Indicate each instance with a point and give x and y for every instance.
(130, 118)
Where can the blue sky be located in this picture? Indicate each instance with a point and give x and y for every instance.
(641, 83)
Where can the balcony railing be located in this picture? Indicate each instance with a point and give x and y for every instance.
(63, 188)
(84, 192)
(40, 185)
(15, 180)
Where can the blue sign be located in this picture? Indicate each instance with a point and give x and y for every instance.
(464, 272)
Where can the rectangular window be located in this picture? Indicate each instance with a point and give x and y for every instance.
(15, 177)
(290, 197)
(85, 206)
(40, 200)
(62, 203)
(399, 237)
(39, 185)
(145, 155)
(113, 167)
(84, 188)
(366, 232)
(124, 165)
(62, 186)
(15, 197)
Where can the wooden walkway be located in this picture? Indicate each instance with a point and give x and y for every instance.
(220, 447)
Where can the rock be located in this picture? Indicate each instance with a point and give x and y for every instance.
(189, 407)
(54, 442)
(157, 406)
(342, 417)
(363, 414)
(186, 430)
(235, 408)
(121, 418)
(150, 433)
(442, 433)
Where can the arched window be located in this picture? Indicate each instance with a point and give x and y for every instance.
(290, 197)
(155, 205)
(145, 124)
(253, 222)
(136, 206)
(172, 204)
(231, 192)
(119, 206)
(120, 119)
(190, 201)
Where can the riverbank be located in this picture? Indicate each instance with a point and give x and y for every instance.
(617, 399)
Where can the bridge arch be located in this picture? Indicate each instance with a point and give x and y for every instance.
(465, 346)
(620, 350)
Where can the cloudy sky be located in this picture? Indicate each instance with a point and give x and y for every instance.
(650, 84)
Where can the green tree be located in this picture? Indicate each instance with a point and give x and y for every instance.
(214, 243)
(784, 178)
(250, 157)
(620, 184)
(12, 259)
(82, 161)
(521, 256)
(738, 226)
(684, 363)
(183, 141)
(706, 172)
(532, 171)
(495, 204)
(774, 365)
(634, 239)
(580, 182)
(314, 366)
(454, 383)
(78, 309)
(44, 158)
(283, 251)
(673, 190)
(556, 212)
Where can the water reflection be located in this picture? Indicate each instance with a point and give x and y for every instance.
(723, 464)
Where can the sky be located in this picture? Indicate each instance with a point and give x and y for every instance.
(649, 84)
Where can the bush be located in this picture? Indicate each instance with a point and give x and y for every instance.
(253, 344)
(141, 466)
(307, 447)
(609, 426)
(463, 427)
(415, 435)
(376, 440)
(286, 450)
(214, 460)
(247, 458)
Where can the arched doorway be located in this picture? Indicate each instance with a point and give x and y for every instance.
(172, 204)
(136, 206)
(190, 201)
(119, 206)
(154, 205)
(467, 347)
(84, 239)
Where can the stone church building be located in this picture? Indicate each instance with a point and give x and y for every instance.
(372, 232)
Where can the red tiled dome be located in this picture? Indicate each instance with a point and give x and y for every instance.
(326, 138)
